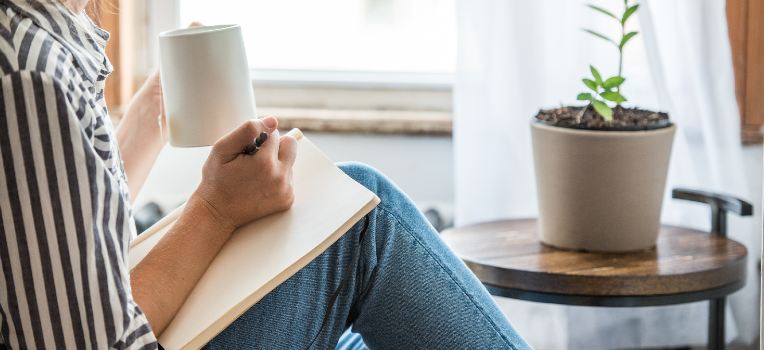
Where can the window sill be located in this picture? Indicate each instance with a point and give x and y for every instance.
(405, 122)
(363, 121)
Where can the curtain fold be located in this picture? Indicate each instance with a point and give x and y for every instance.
(515, 57)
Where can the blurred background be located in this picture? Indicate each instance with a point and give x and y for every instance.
(438, 95)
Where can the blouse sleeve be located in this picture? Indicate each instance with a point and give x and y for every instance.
(64, 277)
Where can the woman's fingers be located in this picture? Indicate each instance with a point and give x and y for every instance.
(271, 146)
(271, 122)
(287, 150)
(232, 144)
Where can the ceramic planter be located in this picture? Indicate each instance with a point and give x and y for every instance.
(600, 190)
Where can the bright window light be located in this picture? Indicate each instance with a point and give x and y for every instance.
(339, 35)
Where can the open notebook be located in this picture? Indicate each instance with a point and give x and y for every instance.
(266, 252)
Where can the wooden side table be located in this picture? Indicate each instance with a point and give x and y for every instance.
(686, 265)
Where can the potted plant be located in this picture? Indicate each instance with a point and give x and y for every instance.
(601, 168)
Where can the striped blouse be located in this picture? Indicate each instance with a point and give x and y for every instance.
(65, 211)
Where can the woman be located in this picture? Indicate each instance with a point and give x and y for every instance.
(67, 225)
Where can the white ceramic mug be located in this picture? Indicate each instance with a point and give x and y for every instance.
(206, 84)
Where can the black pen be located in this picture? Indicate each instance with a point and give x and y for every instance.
(253, 147)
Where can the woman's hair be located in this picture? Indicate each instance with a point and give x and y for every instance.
(93, 8)
(94, 11)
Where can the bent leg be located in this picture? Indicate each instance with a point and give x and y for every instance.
(391, 277)
(415, 292)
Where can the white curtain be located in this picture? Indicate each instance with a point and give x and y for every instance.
(517, 56)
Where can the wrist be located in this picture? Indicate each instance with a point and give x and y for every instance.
(205, 214)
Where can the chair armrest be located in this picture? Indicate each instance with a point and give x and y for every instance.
(720, 204)
(716, 200)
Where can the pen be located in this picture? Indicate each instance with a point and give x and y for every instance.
(253, 147)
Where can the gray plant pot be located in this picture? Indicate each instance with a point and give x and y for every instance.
(600, 190)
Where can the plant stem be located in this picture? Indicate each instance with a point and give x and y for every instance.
(620, 67)
(620, 48)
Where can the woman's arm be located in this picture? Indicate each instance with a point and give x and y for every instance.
(236, 188)
(141, 133)
(163, 279)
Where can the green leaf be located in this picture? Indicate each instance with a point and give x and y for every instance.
(590, 84)
(613, 82)
(601, 36)
(629, 11)
(584, 96)
(626, 39)
(596, 75)
(613, 96)
(603, 11)
(603, 110)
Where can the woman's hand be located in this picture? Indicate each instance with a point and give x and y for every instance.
(148, 107)
(147, 102)
(238, 188)
(141, 133)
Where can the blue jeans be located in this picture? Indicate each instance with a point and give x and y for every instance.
(390, 277)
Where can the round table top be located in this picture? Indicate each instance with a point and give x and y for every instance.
(507, 254)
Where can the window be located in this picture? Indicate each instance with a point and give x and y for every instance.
(391, 55)
(357, 42)
(348, 36)
(332, 62)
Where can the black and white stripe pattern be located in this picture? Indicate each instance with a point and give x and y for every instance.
(64, 210)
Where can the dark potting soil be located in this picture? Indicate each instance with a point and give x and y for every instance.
(624, 119)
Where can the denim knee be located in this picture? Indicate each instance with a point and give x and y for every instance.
(365, 174)
(393, 200)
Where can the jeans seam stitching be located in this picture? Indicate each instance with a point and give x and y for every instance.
(430, 253)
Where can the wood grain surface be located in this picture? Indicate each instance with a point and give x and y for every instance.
(508, 254)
